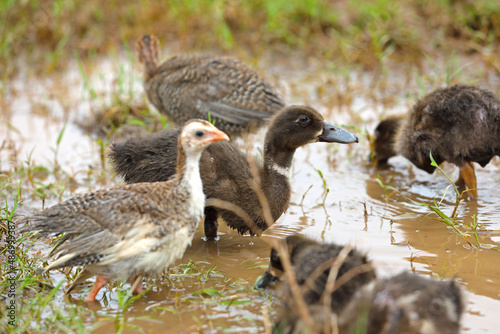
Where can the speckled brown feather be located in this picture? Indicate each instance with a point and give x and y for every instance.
(148, 50)
(192, 86)
(98, 220)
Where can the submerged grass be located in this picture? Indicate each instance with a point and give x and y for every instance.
(466, 230)
(386, 186)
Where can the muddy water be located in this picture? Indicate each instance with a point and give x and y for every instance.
(390, 228)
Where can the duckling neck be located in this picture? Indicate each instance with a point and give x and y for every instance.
(275, 178)
(277, 161)
(188, 173)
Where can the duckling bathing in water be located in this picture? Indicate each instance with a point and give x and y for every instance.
(196, 86)
(459, 124)
(306, 256)
(225, 170)
(404, 303)
(134, 230)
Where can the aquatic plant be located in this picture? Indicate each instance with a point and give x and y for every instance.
(452, 220)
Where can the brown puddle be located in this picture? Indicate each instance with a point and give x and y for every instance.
(395, 242)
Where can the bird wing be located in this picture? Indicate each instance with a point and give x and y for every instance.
(97, 221)
(230, 113)
(223, 87)
(108, 210)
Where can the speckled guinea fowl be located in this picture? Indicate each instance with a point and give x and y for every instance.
(459, 124)
(405, 303)
(225, 170)
(306, 256)
(192, 86)
(133, 230)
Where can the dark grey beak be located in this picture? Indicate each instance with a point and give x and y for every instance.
(266, 280)
(334, 134)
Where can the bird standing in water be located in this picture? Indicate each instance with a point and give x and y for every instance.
(201, 86)
(459, 124)
(134, 230)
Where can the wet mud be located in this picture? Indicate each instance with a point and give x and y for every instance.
(396, 233)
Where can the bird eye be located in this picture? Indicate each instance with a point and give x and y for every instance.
(199, 134)
(303, 119)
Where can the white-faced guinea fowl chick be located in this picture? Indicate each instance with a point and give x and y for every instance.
(194, 86)
(405, 303)
(225, 170)
(134, 230)
(310, 259)
(459, 124)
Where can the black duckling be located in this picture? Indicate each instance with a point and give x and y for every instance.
(225, 170)
(134, 230)
(459, 124)
(306, 256)
(405, 303)
(193, 86)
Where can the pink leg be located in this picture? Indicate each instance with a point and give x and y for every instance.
(99, 283)
(138, 289)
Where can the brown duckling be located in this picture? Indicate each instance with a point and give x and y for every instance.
(405, 303)
(134, 230)
(459, 124)
(194, 86)
(306, 256)
(225, 170)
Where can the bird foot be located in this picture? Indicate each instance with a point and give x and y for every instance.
(99, 283)
(211, 225)
(468, 175)
(137, 285)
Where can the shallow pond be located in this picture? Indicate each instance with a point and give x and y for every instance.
(385, 224)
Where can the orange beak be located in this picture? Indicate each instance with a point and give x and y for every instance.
(216, 135)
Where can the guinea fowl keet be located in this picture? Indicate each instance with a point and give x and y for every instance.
(196, 86)
(225, 170)
(134, 230)
(459, 124)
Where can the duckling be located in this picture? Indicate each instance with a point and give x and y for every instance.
(202, 86)
(459, 124)
(306, 256)
(225, 170)
(405, 303)
(133, 230)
